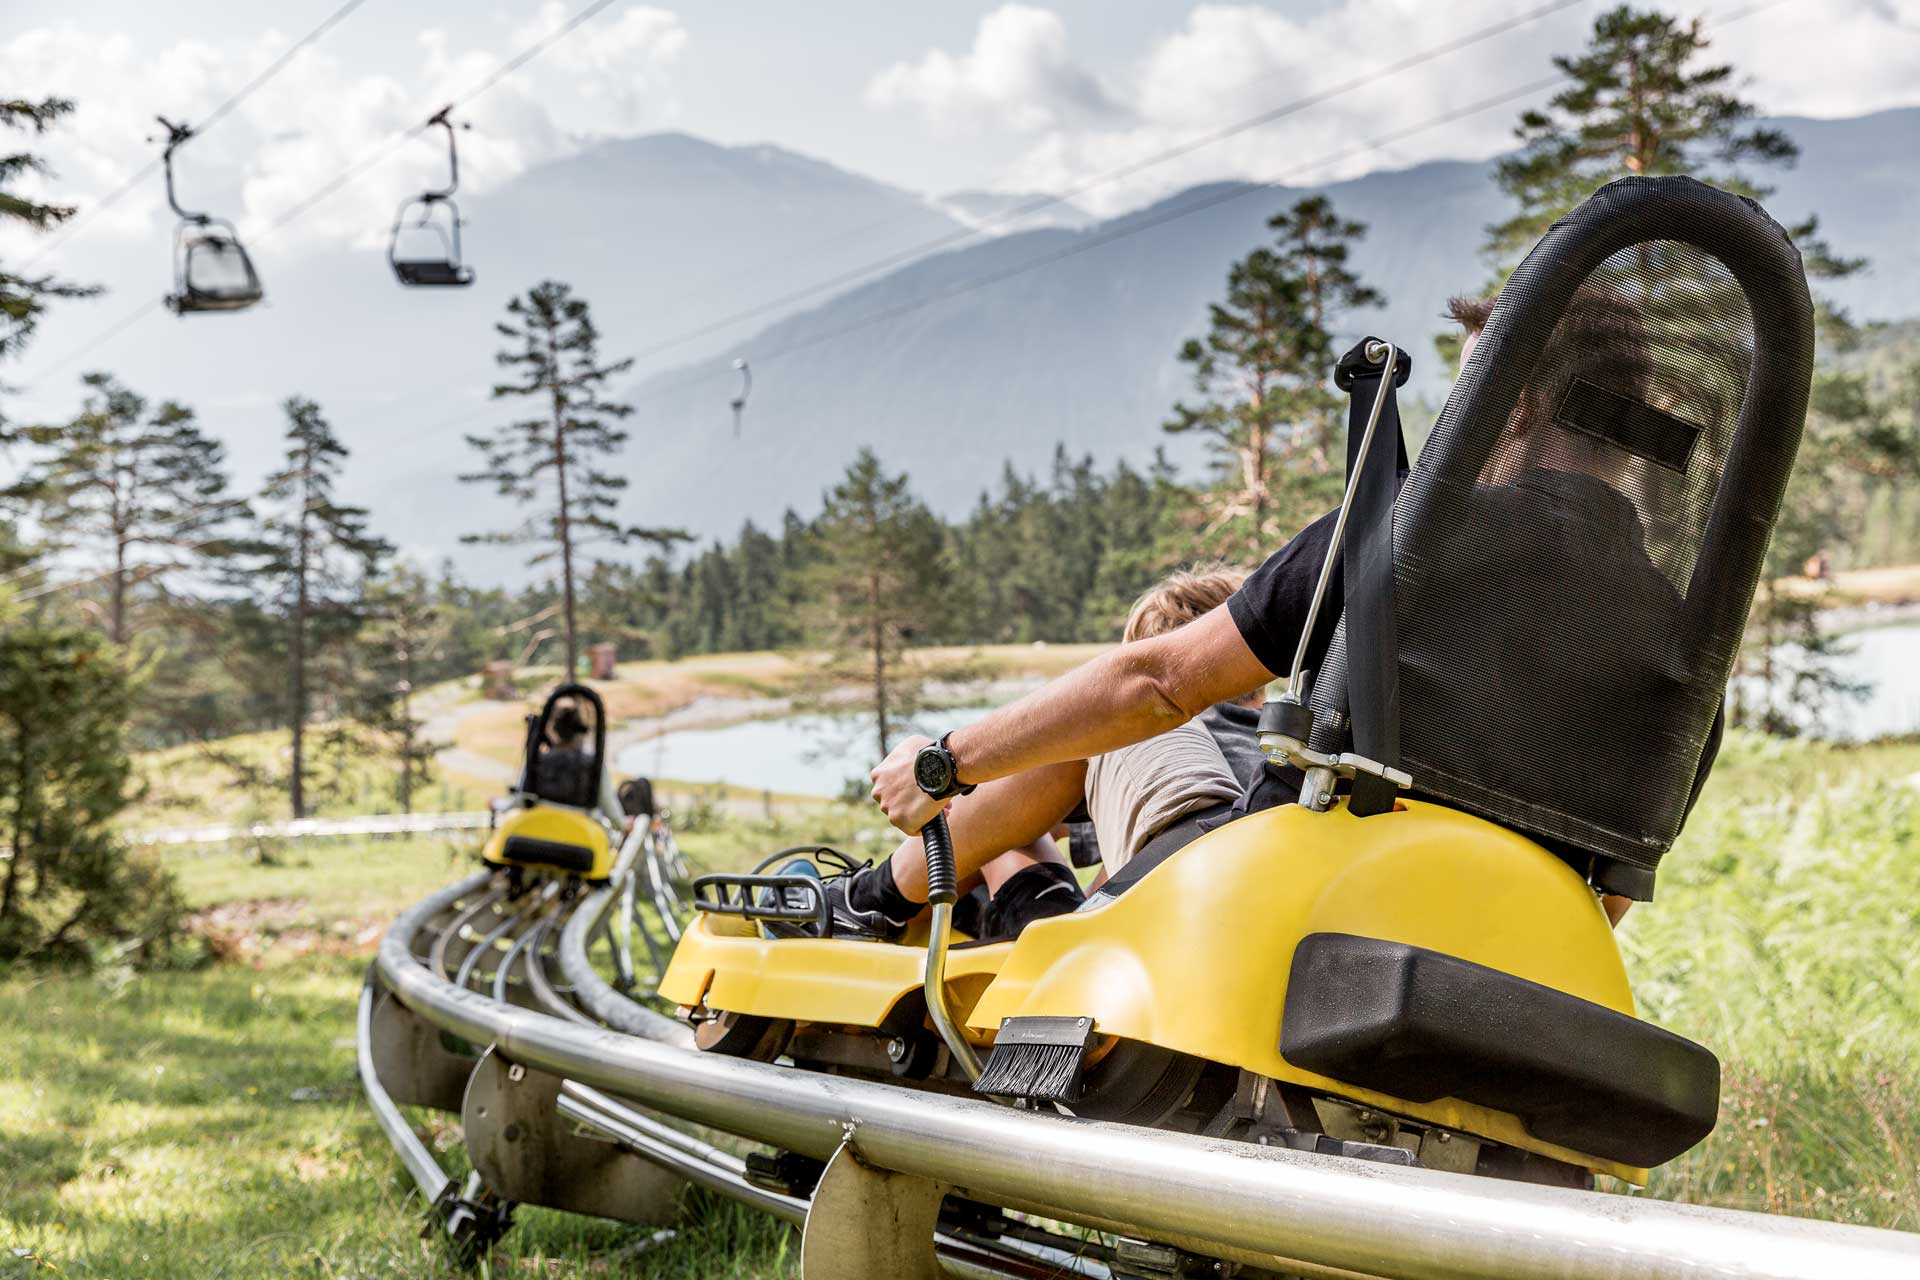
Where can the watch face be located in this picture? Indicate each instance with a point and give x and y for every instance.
(930, 770)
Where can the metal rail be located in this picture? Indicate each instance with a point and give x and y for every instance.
(1316, 1215)
(374, 824)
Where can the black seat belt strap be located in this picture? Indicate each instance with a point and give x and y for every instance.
(1372, 648)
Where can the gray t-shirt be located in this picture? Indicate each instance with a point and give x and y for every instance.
(1138, 791)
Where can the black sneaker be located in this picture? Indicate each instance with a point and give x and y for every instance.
(844, 920)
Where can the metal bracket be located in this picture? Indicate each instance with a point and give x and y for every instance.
(526, 1153)
(1322, 767)
(865, 1223)
(412, 1060)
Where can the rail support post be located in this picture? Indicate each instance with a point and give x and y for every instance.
(411, 1059)
(865, 1222)
(526, 1152)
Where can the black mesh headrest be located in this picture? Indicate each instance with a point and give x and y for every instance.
(1576, 550)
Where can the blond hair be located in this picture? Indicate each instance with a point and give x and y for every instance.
(1182, 597)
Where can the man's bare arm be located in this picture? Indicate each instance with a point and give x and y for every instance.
(1126, 695)
(1007, 813)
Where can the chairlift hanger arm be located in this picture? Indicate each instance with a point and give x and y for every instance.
(177, 136)
(442, 119)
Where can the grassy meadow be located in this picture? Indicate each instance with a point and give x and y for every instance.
(207, 1122)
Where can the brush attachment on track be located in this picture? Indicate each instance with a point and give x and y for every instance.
(1042, 1059)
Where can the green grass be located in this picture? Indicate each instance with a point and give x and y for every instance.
(210, 1125)
(1784, 939)
(149, 1127)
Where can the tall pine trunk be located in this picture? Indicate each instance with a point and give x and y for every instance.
(564, 523)
(406, 731)
(21, 790)
(297, 655)
(877, 636)
(117, 618)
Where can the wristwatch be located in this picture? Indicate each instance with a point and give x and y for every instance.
(937, 773)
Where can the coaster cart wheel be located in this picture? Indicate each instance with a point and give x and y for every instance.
(741, 1035)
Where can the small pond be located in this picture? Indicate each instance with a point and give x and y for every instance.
(817, 754)
(810, 755)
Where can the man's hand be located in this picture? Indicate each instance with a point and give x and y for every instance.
(898, 795)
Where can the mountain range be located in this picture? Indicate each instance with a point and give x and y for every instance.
(999, 350)
(870, 315)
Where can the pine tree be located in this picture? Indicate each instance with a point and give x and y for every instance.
(140, 488)
(23, 298)
(313, 556)
(64, 777)
(1264, 374)
(554, 459)
(876, 586)
(1641, 103)
(404, 639)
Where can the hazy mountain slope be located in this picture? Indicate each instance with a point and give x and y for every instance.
(947, 380)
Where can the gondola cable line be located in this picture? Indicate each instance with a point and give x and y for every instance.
(1038, 204)
(219, 113)
(1009, 217)
(1135, 226)
(345, 177)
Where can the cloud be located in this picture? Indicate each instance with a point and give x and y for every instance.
(1018, 74)
(320, 116)
(1226, 63)
(619, 64)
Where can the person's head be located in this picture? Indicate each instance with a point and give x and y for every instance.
(568, 726)
(1471, 315)
(1598, 338)
(1182, 597)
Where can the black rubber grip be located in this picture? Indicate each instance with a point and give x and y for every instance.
(943, 881)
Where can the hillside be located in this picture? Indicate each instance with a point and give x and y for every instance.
(668, 235)
(946, 377)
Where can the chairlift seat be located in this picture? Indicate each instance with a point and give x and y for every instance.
(431, 271)
(212, 271)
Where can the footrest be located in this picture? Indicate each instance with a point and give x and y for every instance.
(788, 899)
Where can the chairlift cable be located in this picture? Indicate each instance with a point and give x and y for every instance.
(220, 112)
(287, 216)
(1027, 208)
(104, 336)
(1172, 215)
(1135, 226)
(505, 69)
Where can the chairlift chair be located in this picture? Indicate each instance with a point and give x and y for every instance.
(434, 217)
(211, 269)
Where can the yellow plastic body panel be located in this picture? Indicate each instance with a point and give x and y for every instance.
(841, 983)
(555, 825)
(1195, 957)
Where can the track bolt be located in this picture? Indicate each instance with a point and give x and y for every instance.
(897, 1050)
(516, 1073)
(1364, 1117)
(1445, 1136)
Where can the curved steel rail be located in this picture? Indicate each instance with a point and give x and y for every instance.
(1314, 1214)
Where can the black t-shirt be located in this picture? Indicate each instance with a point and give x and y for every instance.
(1271, 605)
